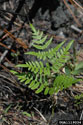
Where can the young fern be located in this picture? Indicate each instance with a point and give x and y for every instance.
(46, 77)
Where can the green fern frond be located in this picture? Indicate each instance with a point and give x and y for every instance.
(60, 58)
(28, 80)
(44, 46)
(46, 77)
(36, 67)
(33, 28)
(46, 54)
(63, 81)
(38, 39)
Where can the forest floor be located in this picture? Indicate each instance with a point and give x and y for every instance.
(61, 20)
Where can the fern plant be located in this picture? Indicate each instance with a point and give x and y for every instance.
(46, 77)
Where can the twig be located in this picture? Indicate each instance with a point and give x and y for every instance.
(76, 20)
(1, 44)
(41, 114)
(77, 4)
(81, 117)
(19, 41)
(4, 54)
(76, 29)
(17, 24)
(7, 11)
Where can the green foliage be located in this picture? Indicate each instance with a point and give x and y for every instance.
(38, 41)
(27, 114)
(46, 77)
(7, 109)
(78, 99)
(78, 68)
